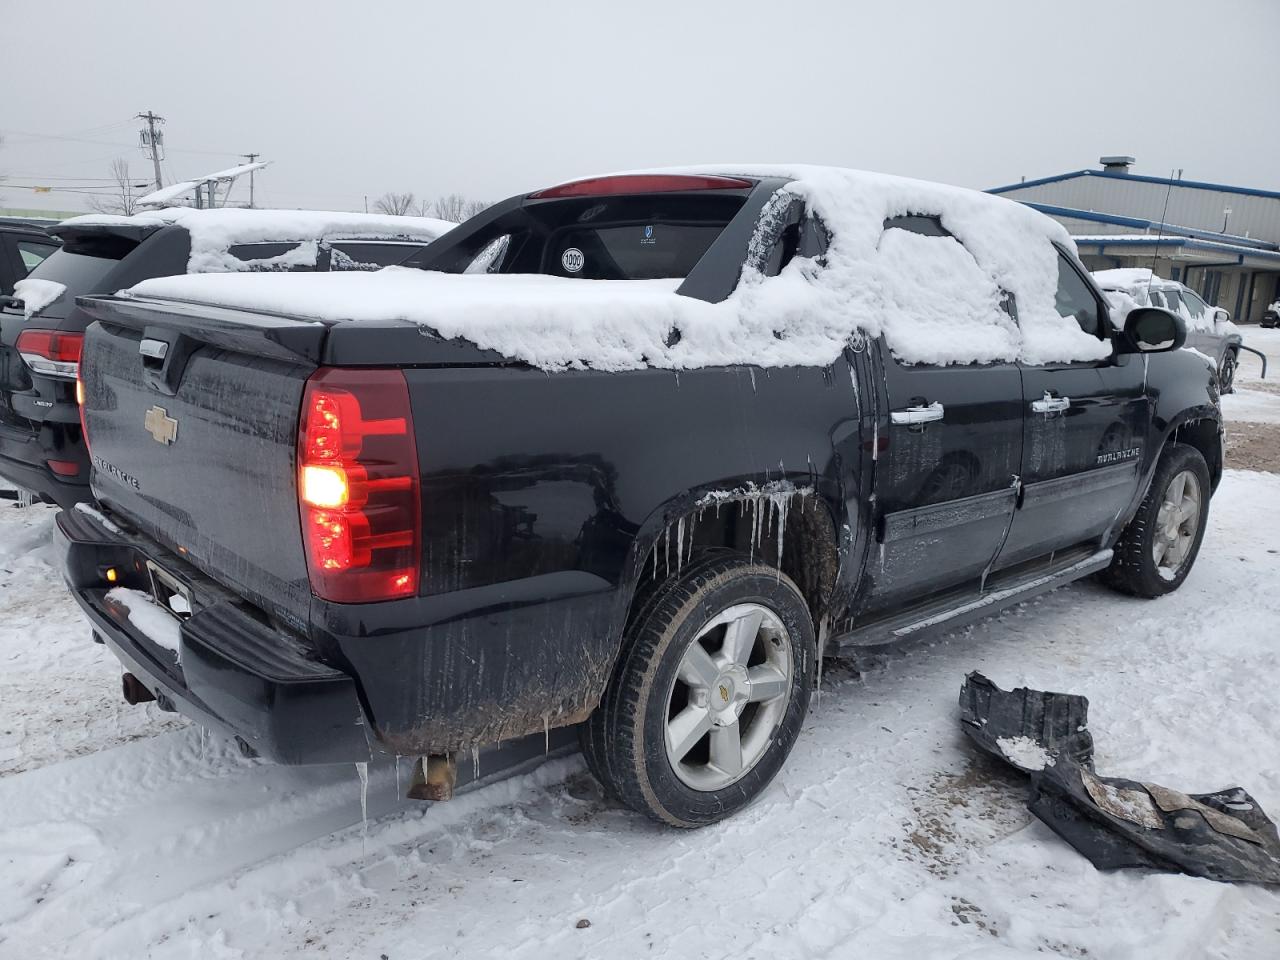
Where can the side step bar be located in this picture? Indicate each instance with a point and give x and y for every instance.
(957, 611)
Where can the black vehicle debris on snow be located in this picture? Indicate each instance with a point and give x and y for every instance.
(1114, 821)
(381, 534)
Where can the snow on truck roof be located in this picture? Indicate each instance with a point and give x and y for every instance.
(870, 280)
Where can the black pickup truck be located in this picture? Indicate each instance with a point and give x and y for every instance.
(341, 531)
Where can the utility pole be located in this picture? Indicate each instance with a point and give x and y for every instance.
(153, 140)
(251, 157)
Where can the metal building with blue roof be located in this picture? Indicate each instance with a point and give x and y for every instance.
(1222, 241)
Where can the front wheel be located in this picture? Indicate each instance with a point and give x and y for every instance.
(709, 694)
(1159, 546)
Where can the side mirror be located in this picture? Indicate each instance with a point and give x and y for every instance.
(1221, 316)
(1153, 330)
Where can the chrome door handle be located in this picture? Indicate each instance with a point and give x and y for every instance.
(1050, 404)
(927, 414)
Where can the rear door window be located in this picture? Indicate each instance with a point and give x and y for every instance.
(945, 294)
(1195, 305)
(284, 256)
(369, 255)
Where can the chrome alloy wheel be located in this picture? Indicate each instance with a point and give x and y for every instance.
(1176, 524)
(729, 696)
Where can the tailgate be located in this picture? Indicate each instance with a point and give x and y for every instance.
(192, 418)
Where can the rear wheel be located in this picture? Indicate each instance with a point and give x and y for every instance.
(709, 694)
(1158, 548)
(1227, 374)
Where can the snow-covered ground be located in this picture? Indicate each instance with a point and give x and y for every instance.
(126, 833)
(59, 693)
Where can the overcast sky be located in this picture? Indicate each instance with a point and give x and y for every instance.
(493, 98)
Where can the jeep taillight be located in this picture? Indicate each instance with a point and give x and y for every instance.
(358, 489)
(50, 352)
(84, 428)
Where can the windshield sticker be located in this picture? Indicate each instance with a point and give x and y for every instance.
(648, 238)
(572, 260)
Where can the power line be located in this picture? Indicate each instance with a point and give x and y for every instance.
(42, 177)
(88, 192)
(73, 134)
(36, 185)
(105, 143)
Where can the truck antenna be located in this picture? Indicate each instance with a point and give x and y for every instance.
(1159, 236)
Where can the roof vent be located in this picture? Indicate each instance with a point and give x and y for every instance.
(1116, 164)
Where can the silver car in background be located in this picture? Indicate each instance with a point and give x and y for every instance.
(1209, 328)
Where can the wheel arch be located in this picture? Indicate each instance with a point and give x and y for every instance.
(786, 523)
(1204, 433)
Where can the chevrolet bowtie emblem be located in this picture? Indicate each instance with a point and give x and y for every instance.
(160, 425)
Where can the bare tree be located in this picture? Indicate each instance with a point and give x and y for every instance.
(121, 199)
(451, 206)
(394, 204)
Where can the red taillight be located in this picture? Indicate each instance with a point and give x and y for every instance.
(358, 486)
(64, 468)
(50, 352)
(639, 183)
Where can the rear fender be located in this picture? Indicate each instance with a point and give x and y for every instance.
(787, 522)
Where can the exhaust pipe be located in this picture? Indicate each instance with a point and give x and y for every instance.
(134, 692)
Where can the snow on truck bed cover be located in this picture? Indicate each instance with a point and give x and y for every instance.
(873, 280)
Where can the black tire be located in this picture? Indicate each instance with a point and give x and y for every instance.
(1227, 373)
(1133, 569)
(624, 739)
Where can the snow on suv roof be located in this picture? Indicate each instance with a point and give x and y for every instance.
(872, 280)
(1132, 278)
(214, 232)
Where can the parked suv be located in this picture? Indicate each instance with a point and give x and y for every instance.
(632, 453)
(23, 246)
(42, 329)
(1209, 329)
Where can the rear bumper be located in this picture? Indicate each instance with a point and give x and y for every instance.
(25, 456)
(233, 672)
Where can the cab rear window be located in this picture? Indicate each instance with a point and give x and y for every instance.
(646, 237)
